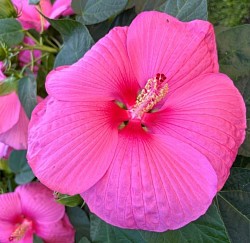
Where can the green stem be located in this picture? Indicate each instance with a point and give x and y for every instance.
(40, 47)
(32, 62)
(56, 41)
(32, 37)
(50, 43)
(83, 204)
(10, 188)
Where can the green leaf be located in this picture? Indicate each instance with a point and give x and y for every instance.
(96, 11)
(208, 228)
(27, 93)
(234, 58)
(243, 84)
(36, 239)
(186, 10)
(130, 4)
(231, 205)
(234, 52)
(76, 41)
(18, 164)
(84, 240)
(48, 64)
(34, 2)
(145, 5)
(239, 180)
(98, 31)
(11, 32)
(70, 201)
(234, 205)
(7, 10)
(8, 85)
(125, 18)
(80, 221)
(241, 161)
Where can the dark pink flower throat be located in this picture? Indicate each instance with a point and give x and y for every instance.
(21, 230)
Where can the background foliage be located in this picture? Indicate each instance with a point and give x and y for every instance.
(228, 218)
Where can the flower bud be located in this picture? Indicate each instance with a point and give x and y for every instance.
(7, 9)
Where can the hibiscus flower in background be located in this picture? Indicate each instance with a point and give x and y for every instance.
(30, 210)
(14, 121)
(2, 76)
(143, 126)
(30, 18)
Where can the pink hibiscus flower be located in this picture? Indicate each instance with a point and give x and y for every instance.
(30, 210)
(14, 121)
(143, 125)
(30, 18)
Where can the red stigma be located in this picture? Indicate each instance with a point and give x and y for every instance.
(160, 77)
(11, 238)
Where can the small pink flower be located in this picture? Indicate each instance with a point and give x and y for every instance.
(25, 56)
(30, 210)
(30, 18)
(143, 125)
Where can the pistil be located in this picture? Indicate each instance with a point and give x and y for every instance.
(155, 90)
(21, 230)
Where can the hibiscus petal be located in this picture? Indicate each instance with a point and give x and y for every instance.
(10, 207)
(2, 76)
(38, 203)
(59, 232)
(104, 73)
(17, 136)
(3, 150)
(209, 114)
(61, 8)
(154, 183)
(29, 17)
(75, 137)
(159, 43)
(28, 238)
(6, 230)
(9, 110)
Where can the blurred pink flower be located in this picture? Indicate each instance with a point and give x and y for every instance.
(143, 125)
(30, 18)
(30, 210)
(2, 76)
(14, 121)
(25, 56)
